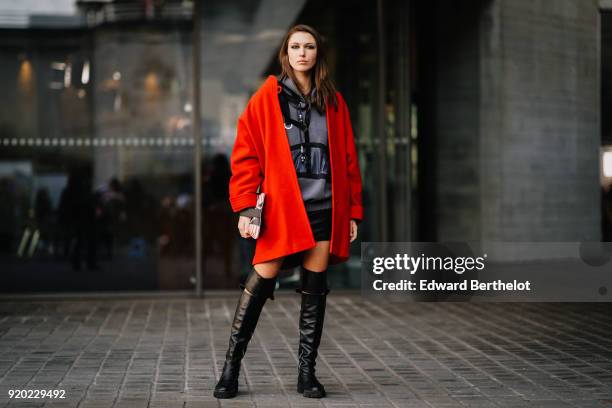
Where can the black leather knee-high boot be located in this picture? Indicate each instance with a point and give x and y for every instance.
(314, 295)
(256, 290)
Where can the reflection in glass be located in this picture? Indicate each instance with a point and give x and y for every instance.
(96, 172)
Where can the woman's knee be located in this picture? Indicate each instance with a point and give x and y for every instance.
(317, 258)
(269, 269)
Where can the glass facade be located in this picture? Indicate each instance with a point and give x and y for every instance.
(96, 167)
(97, 145)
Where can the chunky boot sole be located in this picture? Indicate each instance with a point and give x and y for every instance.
(226, 394)
(310, 393)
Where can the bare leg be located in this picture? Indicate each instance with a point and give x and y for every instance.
(317, 258)
(269, 269)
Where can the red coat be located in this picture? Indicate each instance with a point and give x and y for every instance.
(261, 153)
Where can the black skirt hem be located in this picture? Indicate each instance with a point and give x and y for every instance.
(320, 224)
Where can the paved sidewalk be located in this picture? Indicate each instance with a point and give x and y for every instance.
(168, 353)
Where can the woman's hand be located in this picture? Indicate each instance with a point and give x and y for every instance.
(243, 226)
(353, 231)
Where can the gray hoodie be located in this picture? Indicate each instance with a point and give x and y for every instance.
(315, 182)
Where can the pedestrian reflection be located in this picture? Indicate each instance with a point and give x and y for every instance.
(7, 215)
(113, 215)
(77, 220)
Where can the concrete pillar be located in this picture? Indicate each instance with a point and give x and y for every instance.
(519, 123)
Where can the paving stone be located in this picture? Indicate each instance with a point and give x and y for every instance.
(169, 352)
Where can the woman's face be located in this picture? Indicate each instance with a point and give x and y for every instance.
(302, 51)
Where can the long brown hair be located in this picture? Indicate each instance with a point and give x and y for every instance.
(319, 74)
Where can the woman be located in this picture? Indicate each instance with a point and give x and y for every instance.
(295, 141)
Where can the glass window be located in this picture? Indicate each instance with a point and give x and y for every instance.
(96, 168)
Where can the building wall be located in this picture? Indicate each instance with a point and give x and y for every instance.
(520, 144)
(457, 94)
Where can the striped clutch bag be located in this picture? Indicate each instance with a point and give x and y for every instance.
(256, 221)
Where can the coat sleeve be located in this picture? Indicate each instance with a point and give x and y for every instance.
(352, 163)
(247, 172)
